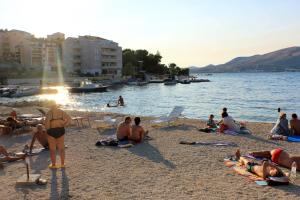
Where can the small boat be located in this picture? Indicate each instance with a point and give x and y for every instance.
(23, 92)
(170, 82)
(87, 86)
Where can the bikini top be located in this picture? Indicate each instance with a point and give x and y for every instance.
(52, 118)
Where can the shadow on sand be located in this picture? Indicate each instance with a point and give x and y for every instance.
(176, 127)
(151, 153)
(40, 163)
(64, 194)
(291, 189)
(15, 139)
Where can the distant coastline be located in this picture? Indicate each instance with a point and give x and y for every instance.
(283, 60)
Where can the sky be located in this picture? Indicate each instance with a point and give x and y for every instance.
(186, 32)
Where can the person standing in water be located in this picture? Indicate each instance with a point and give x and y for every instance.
(121, 101)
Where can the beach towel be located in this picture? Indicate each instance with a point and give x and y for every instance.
(293, 139)
(216, 143)
(34, 151)
(113, 142)
(241, 170)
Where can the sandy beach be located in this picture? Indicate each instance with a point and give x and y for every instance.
(160, 168)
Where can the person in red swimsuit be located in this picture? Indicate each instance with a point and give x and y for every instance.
(279, 156)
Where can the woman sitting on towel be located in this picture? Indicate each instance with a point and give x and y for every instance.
(137, 132)
(229, 123)
(279, 156)
(263, 170)
(282, 126)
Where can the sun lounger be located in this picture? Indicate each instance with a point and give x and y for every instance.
(174, 114)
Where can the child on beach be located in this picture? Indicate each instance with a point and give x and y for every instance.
(211, 125)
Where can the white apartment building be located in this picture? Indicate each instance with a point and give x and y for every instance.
(93, 55)
(87, 54)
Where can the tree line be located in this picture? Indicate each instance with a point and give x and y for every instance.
(135, 61)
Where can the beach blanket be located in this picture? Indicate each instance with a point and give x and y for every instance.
(113, 142)
(215, 143)
(34, 152)
(293, 139)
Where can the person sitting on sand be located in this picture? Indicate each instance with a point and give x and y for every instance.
(211, 125)
(230, 124)
(13, 123)
(137, 132)
(8, 157)
(278, 156)
(263, 170)
(124, 129)
(41, 136)
(224, 110)
(282, 126)
(295, 125)
(121, 101)
(13, 114)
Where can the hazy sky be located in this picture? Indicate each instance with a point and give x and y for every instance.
(187, 32)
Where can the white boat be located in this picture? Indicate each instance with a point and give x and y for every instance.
(24, 92)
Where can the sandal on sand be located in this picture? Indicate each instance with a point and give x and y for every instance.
(53, 166)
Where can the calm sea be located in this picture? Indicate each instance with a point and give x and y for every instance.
(248, 96)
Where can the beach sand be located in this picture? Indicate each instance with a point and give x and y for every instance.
(157, 169)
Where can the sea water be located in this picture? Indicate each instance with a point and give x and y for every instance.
(248, 96)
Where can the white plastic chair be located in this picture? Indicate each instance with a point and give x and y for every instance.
(174, 114)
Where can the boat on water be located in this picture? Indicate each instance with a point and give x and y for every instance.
(170, 82)
(87, 86)
(23, 92)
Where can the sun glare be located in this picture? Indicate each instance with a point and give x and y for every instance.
(61, 97)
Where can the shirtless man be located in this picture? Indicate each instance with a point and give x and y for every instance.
(295, 125)
(124, 129)
(263, 170)
(279, 156)
(137, 132)
(40, 136)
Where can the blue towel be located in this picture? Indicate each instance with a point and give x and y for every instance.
(294, 138)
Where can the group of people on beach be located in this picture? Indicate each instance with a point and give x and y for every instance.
(226, 125)
(282, 129)
(50, 135)
(134, 133)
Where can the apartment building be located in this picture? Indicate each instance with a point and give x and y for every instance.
(93, 55)
(85, 54)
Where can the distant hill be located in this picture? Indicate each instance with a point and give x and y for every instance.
(278, 61)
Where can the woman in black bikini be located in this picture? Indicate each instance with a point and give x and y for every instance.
(55, 123)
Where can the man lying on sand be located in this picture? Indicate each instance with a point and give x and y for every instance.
(279, 157)
(6, 157)
(263, 170)
(124, 129)
(137, 132)
(40, 136)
